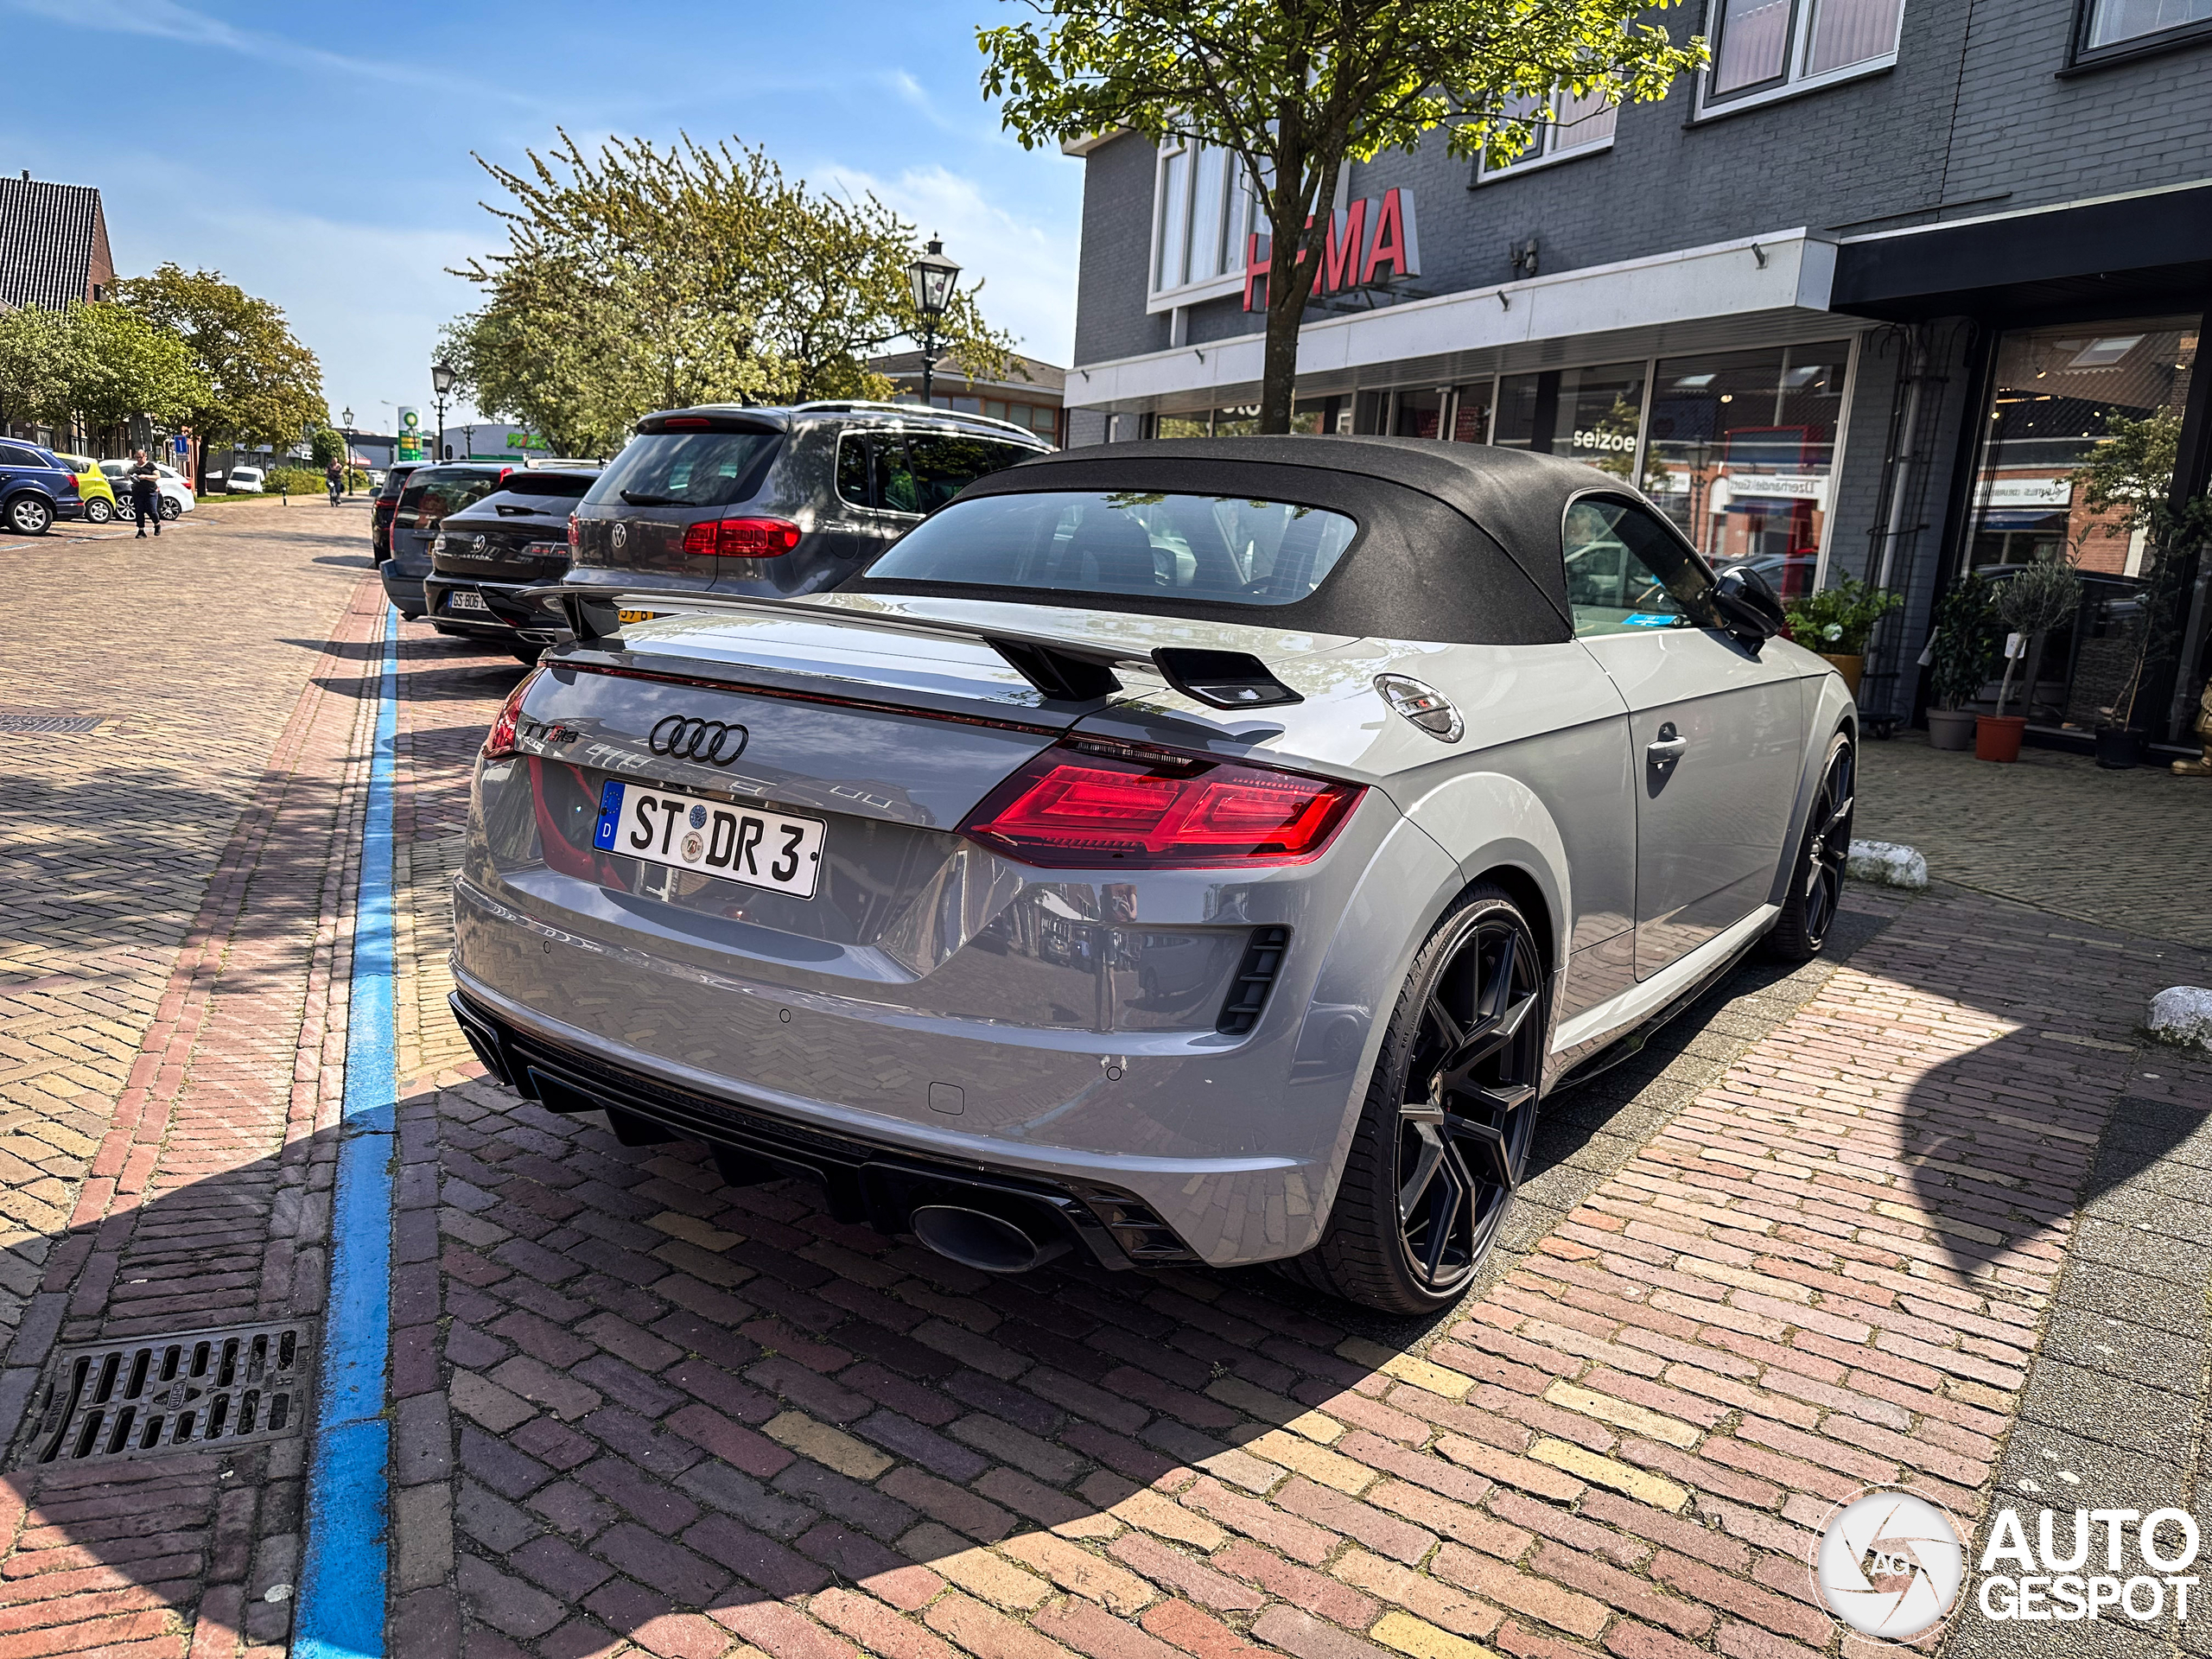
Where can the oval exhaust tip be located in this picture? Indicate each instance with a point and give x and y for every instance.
(977, 1239)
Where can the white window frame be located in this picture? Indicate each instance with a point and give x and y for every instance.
(1159, 299)
(1793, 82)
(1541, 152)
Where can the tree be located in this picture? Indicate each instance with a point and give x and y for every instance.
(637, 278)
(94, 362)
(325, 446)
(1295, 88)
(262, 387)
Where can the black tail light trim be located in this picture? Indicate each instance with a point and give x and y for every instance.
(1256, 977)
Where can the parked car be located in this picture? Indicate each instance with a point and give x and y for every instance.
(385, 504)
(428, 494)
(177, 497)
(484, 556)
(733, 500)
(92, 487)
(244, 480)
(1209, 849)
(36, 489)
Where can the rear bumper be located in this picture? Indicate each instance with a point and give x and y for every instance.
(504, 616)
(404, 591)
(866, 1182)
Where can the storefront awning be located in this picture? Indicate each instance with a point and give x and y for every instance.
(2146, 250)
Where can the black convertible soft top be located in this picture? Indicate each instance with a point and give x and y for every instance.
(1458, 543)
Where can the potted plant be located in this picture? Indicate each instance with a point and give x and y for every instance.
(2031, 603)
(1958, 657)
(1836, 622)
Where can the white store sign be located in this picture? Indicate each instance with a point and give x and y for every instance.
(2028, 492)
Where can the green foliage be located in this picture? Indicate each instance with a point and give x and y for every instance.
(260, 384)
(2031, 601)
(1295, 88)
(1838, 619)
(294, 480)
(96, 362)
(636, 278)
(1961, 644)
(325, 446)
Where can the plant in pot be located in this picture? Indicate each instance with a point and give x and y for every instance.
(1836, 622)
(1958, 658)
(2031, 603)
(2128, 484)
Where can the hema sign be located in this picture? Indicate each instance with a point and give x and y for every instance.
(1375, 240)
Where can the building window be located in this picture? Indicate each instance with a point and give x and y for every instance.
(1590, 415)
(2119, 22)
(1741, 454)
(1765, 48)
(1201, 212)
(1580, 126)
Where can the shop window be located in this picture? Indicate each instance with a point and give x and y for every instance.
(1419, 415)
(1201, 211)
(2062, 400)
(1741, 454)
(1764, 48)
(1585, 414)
(2123, 22)
(1579, 124)
(1470, 410)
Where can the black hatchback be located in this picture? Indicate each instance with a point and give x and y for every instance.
(486, 555)
(431, 495)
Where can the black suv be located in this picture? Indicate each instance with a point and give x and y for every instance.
(483, 556)
(733, 500)
(431, 494)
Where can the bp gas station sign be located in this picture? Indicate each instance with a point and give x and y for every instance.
(410, 435)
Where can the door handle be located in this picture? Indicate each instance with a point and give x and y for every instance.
(1667, 749)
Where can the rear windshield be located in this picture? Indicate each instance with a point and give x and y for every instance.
(687, 470)
(1219, 549)
(569, 487)
(434, 492)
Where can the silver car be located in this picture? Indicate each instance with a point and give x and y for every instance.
(1208, 850)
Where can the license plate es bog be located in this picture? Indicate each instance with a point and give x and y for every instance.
(689, 832)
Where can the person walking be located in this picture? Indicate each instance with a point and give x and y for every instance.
(145, 492)
(335, 480)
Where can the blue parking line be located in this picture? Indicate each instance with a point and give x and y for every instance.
(343, 1569)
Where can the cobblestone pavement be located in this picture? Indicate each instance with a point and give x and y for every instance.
(2126, 848)
(169, 906)
(1870, 1221)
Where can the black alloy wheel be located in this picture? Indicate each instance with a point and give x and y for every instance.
(170, 509)
(1450, 1114)
(1815, 890)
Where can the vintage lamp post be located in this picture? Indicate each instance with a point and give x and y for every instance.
(346, 460)
(933, 276)
(442, 375)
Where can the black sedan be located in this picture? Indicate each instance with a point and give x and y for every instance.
(485, 554)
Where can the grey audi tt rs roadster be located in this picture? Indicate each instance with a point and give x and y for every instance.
(1207, 850)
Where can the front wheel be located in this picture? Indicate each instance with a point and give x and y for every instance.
(96, 511)
(1815, 889)
(1451, 1111)
(29, 516)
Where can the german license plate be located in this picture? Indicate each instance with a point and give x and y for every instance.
(687, 832)
(461, 600)
(636, 616)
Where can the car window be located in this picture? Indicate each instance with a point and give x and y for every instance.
(687, 470)
(1626, 572)
(569, 487)
(945, 463)
(434, 493)
(1191, 547)
(13, 455)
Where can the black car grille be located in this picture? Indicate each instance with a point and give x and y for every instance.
(1256, 977)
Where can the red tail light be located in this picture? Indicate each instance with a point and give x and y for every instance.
(1086, 804)
(572, 532)
(500, 742)
(741, 538)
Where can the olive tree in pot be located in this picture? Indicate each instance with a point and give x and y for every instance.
(1958, 657)
(2031, 603)
(1836, 622)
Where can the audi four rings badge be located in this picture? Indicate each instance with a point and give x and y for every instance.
(685, 737)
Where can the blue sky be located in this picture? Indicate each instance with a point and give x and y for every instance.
(319, 156)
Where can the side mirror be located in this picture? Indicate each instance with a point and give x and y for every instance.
(1749, 609)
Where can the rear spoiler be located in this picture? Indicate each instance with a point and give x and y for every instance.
(1063, 671)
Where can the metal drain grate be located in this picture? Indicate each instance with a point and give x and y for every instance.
(50, 724)
(153, 1395)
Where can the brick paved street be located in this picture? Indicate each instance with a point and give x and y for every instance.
(1869, 1222)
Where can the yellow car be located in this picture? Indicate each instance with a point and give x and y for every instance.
(100, 504)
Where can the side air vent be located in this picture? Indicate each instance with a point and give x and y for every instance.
(1256, 976)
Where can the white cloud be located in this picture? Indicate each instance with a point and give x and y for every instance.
(1028, 264)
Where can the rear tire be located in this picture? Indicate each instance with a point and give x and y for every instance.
(1444, 1133)
(96, 511)
(1815, 890)
(170, 509)
(528, 655)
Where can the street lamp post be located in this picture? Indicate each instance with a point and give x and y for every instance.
(933, 276)
(442, 375)
(346, 460)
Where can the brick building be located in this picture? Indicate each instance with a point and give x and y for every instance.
(1856, 299)
(53, 250)
(1030, 397)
